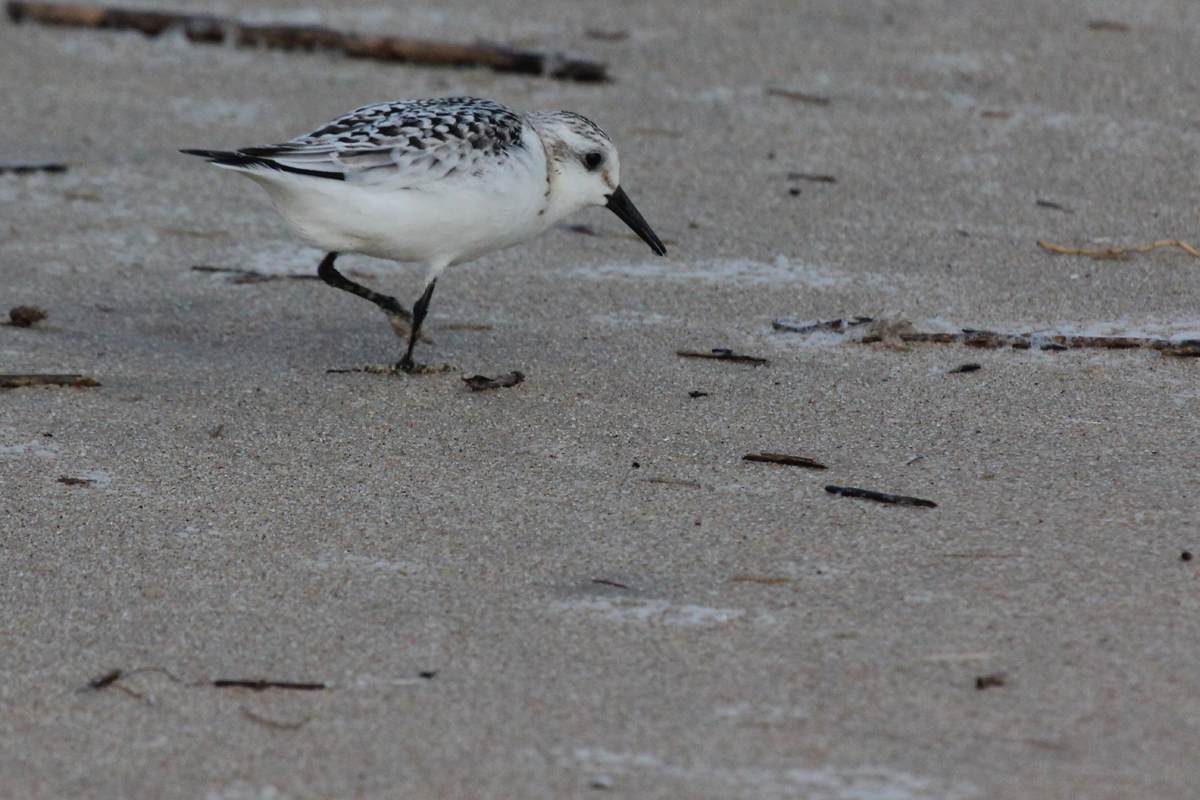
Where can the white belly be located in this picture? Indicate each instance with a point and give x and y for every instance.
(449, 222)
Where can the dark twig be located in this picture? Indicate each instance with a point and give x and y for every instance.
(1055, 206)
(964, 368)
(104, 681)
(75, 481)
(206, 29)
(803, 97)
(260, 685)
(609, 583)
(17, 381)
(811, 176)
(779, 458)
(988, 681)
(880, 497)
(606, 36)
(111, 679)
(721, 354)
(26, 169)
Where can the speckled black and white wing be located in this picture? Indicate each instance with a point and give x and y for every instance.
(402, 145)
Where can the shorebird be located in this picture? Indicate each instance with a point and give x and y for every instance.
(438, 182)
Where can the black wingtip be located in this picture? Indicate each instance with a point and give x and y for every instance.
(213, 154)
(246, 159)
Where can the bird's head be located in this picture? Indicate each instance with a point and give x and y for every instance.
(585, 170)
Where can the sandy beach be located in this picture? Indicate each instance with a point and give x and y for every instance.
(577, 586)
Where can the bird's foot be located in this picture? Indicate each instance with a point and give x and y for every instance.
(410, 367)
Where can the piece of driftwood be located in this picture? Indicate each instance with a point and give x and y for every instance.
(721, 354)
(1116, 252)
(780, 458)
(69, 481)
(604, 582)
(880, 497)
(1051, 204)
(18, 381)
(803, 97)
(26, 169)
(208, 29)
(813, 177)
(259, 685)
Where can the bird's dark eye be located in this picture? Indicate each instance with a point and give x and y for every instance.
(593, 160)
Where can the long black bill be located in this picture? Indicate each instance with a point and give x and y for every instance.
(620, 204)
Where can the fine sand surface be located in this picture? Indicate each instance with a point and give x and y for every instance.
(603, 597)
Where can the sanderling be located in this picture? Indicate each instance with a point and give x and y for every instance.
(439, 182)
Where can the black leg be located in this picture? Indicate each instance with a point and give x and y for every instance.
(328, 273)
(418, 316)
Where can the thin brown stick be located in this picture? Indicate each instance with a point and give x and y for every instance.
(1189, 348)
(779, 458)
(17, 381)
(260, 685)
(206, 29)
(880, 497)
(66, 480)
(803, 97)
(609, 583)
(26, 169)
(1110, 252)
(721, 354)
